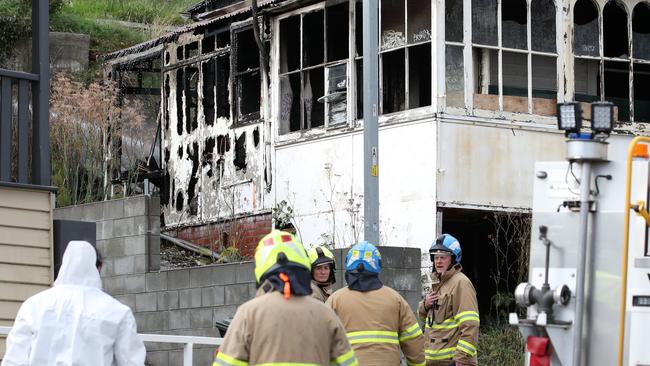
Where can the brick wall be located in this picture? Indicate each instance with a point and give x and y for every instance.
(242, 233)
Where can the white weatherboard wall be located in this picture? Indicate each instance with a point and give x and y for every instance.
(322, 180)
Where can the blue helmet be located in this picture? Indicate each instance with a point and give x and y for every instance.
(364, 254)
(446, 244)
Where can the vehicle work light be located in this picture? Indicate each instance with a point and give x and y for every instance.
(602, 117)
(569, 117)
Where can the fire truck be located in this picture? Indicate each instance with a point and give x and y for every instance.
(587, 299)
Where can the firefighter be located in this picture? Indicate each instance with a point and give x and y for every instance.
(450, 309)
(378, 321)
(284, 325)
(322, 272)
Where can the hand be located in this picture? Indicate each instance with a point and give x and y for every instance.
(430, 299)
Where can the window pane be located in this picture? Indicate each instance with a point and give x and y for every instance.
(192, 49)
(313, 90)
(542, 31)
(615, 30)
(513, 24)
(337, 87)
(180, 88)
(337, 32)
(641, 29)
(207, 44)
(289, 44)
(617, 87)
(359, 65)
(208, 91)
(420, 75)
(313, 38)
(392, 24)
(419, 20)
(486, 94)
(290, 103)
(515, 82)
(641, 93)
(393, 87)
(454, 76)
(454, 20)
(544, 85)
(248, 87)
(223, 75)
(585, 28)
(191, 97)
(247, 55)
(587, 80)
(484, 22)
(358, 30)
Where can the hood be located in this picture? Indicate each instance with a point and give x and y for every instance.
(363, 281)
(78, 266)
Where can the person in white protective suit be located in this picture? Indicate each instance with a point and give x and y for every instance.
(74, 322)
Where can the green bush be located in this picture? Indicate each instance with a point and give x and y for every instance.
(500, 344)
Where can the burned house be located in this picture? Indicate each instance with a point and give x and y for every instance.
(268, 121)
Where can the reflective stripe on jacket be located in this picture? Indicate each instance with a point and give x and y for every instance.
(452, 325)
(379, 323)
(270, 330)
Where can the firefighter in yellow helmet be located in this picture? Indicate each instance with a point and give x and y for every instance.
(323, 266)
(378, 321)
(283, 325)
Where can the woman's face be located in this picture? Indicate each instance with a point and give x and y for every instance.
(322, 272)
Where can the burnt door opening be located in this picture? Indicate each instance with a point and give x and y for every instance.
(495, 247)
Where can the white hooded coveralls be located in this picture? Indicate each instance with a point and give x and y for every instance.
(74, 322)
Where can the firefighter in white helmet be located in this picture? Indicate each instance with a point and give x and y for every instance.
(378, 321)
(283, 325)
(450, 309)
(323, 266)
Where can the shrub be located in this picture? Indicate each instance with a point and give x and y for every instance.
(500, 344)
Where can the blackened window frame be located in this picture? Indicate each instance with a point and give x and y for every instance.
(236, 76)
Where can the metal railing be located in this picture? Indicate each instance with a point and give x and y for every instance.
(187, 341)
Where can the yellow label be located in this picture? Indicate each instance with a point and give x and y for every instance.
(374, 170)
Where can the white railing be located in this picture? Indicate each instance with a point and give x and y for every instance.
(188, 341)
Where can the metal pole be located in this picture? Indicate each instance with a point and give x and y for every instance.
(370, 119)
(41, 93)
(585, 188)
(187, 354)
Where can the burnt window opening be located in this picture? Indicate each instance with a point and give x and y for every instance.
(180, 54)
(180, 86)
(246, 75)
(223, 144)
(180, 201)
(208, 69)
(454, 20)
(358, 28)
(191, 98)
(256, 136)
(223, 39)
(207, 155)
(208, 44)
(585, 28)
(167, 58)
(192, 194)
(641, 92)
(419, 21)
(419, 75)
(617, 87)
(313, 87)
(179, 152)
(166, 96)
(393, 24)
(223, 75)
(641, 31)
(393, 82)
(240, 152)
(514, 24)
(615, 39)
(359, 66)
(192, 49)
(336, 23)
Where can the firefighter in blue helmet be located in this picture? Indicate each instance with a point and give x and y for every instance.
(450, 309)
(378, 321)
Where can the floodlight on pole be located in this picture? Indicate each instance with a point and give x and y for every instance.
(569, 117)
(602, 117)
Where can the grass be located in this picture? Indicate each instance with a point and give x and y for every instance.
(139, 11)
(500, 344)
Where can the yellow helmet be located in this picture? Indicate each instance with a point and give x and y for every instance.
(277, 249)
(321, 255)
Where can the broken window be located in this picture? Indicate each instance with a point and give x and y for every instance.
(223, 75)
(405, 59)
(207, 44)
(615, 40)
(512, 73)
(585, 28)
(246, 75)
(313, 87)
(641, 31)
(641, 92)
(239, 159)
(192, 50)
(191, 98)
(180, 87)
(208, 69)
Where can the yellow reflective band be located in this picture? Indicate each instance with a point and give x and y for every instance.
(441, 354)
(225, 360)
(415, 364)
(373, 336)
(346, 359)
(467, 316)
(287, 364)
(446, 324)
(412, 332)
(466, 347)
